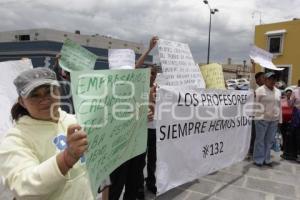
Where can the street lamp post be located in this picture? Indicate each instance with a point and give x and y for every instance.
(211, 12)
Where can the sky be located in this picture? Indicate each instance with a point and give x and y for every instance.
(184, 21)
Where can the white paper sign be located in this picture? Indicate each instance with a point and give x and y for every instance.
(199, 132)
(121, 59)
(263, 58)
(178, 66)
(8, 94)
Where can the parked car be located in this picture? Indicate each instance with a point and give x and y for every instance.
(231, 84)
(231, 81)
(243, 84)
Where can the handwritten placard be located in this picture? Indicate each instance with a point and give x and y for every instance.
(213, 76)
(121, 59)
(263, 58)
(76, 58)
(112, 107)
(178, 66)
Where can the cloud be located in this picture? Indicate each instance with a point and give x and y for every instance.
(138, 20)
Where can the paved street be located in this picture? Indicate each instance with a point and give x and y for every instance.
(242, 181)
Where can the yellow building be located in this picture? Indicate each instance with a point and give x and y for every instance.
(283, 40)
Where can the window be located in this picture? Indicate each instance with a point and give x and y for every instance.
(275, 40)
(275, 44)
(24, 37)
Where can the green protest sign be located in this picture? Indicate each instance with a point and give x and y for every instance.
(76, 58)
(112, 106)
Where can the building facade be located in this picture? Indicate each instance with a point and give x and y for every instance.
(283, 41)
(42, 45)
(236, 71)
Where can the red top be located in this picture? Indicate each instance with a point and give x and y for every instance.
(286, 111)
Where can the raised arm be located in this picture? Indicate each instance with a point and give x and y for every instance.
(142, 58)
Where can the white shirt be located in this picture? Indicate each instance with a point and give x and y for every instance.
(269, 100)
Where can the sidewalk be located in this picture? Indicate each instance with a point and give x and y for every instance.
(243, 181)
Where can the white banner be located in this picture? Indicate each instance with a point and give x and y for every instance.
(8, 94)
(121, 59)
(199, 132)
(178, 66)
(263, 58)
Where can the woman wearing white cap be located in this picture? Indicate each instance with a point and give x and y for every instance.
(42, 156)
(266, 120)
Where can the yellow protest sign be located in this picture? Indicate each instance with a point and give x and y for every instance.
(213, 76)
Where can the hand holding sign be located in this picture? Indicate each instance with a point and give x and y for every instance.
(153, 42)
(77, 142)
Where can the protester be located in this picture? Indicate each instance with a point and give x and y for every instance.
(266, 120)
(129, 173)
(151, 144)
(66, 104)
(295, 123)
(259, 80)
(41, 155)
(285, 127)
(64, 79)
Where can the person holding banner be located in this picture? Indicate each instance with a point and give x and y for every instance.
(42, 155)
(266, 120)
(259, 79)
(129, 173)
(151, 144)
